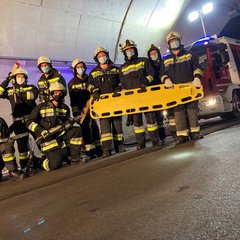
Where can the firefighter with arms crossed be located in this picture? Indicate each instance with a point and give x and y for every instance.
(22, 99)
(45, 117)
(80, 91)
(49, 75)
(137, 72)
(105, 78)
(182, 66)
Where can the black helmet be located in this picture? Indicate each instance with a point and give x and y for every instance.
(154, 47)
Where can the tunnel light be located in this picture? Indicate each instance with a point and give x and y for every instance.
(207, 8)
(193, 16)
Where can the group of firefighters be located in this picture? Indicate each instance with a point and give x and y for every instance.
(78, 143)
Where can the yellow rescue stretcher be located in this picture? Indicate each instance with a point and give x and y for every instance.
(153, 98)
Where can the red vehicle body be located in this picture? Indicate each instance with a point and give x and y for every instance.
(220, 61)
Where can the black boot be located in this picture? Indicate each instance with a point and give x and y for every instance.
(155, 143)
(196, 135)
(106, 153)
(15, 174)
(141, 146)
(98, 151)
(121, 148)
(91, 154)
(181, 139)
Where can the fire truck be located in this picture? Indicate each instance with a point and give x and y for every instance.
(220, 61)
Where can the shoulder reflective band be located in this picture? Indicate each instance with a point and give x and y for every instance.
(137, 101)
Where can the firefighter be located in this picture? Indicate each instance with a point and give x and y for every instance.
(48, 76)
(7, 157)
(182, 66)
(155, 59)
(137, 72)
(105, 78)
(48, 115)
(80, 91)
(22, 99)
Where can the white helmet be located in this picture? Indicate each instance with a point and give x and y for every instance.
(76, 62)
(43, 59)
(98, 50)
(56, 86)
(21, 71)
(127, 44)
(173, 35)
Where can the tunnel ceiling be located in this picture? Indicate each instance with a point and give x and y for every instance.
(66, 29)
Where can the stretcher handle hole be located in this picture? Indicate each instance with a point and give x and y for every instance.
(171, 104)
(131, 110)
(143, 108)
(157, 106)
(106, 114)
(186, 99)
(129, 93)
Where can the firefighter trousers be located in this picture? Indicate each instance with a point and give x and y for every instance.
(161, 129)
(186, 117)
(140, 131)
(87, 133)
(111, 131)
(19, 127)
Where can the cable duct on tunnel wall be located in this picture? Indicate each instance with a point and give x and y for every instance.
(120, 31)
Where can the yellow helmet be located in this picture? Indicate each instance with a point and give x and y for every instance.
(21, 71)
(76, 62)
(56, 86)
(127, 44)
(43, 59)
(173, 35)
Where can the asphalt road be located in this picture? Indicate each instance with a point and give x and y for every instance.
(186, 192)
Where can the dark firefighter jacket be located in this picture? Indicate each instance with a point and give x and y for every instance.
(136, 73)
(4, 130)
(105, 80)
(79, 92)
(156, 67)
(181, 68)
(44, 83)
(22, 98)
(46, 116)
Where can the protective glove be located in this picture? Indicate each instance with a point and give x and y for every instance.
(10, 140)
(96, 95)
(197, 82)
(129, 120)
(168, 83)
(44, 134)
(8, 79)
(117, 90)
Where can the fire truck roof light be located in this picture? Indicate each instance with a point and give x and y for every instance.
(206, 39)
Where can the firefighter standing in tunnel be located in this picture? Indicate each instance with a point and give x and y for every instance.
(50, 114)
(80, 91)
(105, 78)
(182, 66)
(155, 59)
(49, 75)
(137, 72)
(22, 99)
